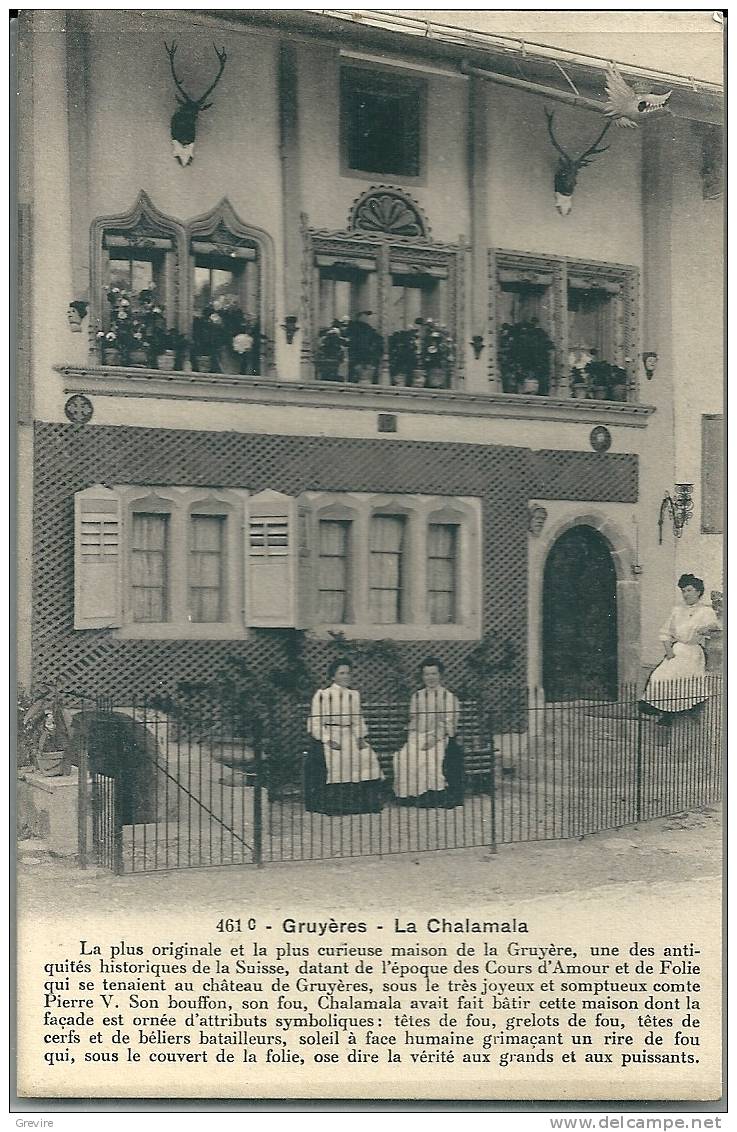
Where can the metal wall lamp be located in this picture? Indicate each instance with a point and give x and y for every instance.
(680, 509)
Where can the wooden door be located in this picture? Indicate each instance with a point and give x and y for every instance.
(579, 618)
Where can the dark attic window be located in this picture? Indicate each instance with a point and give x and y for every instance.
(381, 118)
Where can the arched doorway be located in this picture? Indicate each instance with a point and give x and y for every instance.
(579, 617)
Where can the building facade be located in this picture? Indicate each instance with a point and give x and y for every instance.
(282, 385)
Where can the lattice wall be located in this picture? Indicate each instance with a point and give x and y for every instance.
(71, 457)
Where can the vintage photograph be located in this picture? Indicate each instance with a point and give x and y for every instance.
(369, 415)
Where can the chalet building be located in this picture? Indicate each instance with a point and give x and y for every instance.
(340, 365)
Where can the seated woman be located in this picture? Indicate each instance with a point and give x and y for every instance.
(427, 770)
(343, 775)
(676, 684)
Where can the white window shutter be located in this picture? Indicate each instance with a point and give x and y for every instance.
(305, 578)
(97, 558)
(271, 557)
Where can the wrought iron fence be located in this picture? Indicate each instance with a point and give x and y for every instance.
(338, 778)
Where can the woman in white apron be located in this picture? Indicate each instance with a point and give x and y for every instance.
(344, 777)
(419, 771)
(677, 684)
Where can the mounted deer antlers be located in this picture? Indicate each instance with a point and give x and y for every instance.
(568, 167)
(184, 118)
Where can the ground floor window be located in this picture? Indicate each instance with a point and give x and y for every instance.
(183, 562)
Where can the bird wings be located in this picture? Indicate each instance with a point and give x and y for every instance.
(625, 105)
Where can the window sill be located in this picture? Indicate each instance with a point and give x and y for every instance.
(112, 381)
(420, 632)
(181, 631)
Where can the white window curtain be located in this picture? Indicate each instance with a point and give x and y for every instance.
(149, 566)
(206, 534)
(334, 537)
(593, 315)
(386, 554)
(442, 549)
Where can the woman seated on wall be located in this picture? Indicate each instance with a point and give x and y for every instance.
(428, 769)
(343, 775)
(677, 684)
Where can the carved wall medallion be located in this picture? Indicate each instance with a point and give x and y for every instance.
(78, 409)
(600, 439)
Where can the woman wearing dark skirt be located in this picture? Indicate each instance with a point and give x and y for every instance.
(428, 769)
(343, 775)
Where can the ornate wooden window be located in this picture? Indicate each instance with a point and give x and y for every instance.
(230, 276)
(383, 300)
(213, 265)
(138, 251)
(588, 311)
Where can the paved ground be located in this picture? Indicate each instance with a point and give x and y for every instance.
(682, 852)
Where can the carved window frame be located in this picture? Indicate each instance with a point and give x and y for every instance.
(142, 224)
(561, 269)
(223, 228)
(382, 249)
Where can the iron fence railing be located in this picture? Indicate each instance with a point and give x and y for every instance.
(338, 778)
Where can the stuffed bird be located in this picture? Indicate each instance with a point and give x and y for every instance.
(625, 105)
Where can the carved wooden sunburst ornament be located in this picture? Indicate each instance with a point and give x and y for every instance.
(389, 212)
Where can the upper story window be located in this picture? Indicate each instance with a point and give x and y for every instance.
(385, 309)
(564, 327)
(382, 121)
(226, 300)
(135, 289)
(195, 296)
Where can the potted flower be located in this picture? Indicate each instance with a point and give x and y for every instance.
(437, 353)
(599, 374)
(608, 382)
(365, 349)
(331, 352)
(223, 337)
(578, 360)
(109, 347)
(137, 328)
(171, 348)
(618, 385)
(404, 357)
(524, 357)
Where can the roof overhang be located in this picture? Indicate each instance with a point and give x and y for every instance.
(396, 37)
